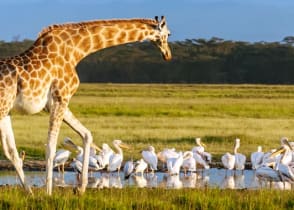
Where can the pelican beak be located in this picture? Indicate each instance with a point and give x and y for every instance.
(277, 152)
(289, 145)
(123, 145)
(68, 144)
(202, 144)
(96, 147)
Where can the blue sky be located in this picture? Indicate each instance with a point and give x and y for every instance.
(239, 20)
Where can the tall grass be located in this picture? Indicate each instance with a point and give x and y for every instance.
(134, 198)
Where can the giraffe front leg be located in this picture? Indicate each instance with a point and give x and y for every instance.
(56, 117)
(86, 135)
(10, 151)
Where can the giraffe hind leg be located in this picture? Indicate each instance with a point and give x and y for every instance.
(10, 151)
(75, 124)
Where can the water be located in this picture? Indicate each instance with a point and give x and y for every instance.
(212, 178)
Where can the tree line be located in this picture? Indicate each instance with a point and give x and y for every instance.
(194, 61)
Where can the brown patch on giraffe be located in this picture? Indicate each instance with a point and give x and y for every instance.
(122, 37)
(85, 44)
(36, 64)
(132, 35)
(52, 56)
(109, 32)
(34, 74)
(37, 50)
(8, 81)
(42, 56)
(67, 69)
(64, 36)
(52, 47)
(83, 32)
(128, 26)
(41, 73)
(140, 36)
(25, 75)
(59, 60)
(57, 40)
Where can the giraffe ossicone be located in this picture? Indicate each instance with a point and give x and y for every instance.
(44, 77)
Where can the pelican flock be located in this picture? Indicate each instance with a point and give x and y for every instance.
(276, 165)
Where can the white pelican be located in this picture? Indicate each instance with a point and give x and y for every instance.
(229, 160)
(150, 158)
(104, 155)
(269, 159)
(200, 155)
(257, 158)
(164, 155)
(200, 146)
(284, 162)
(240, 159)
(174, 164)
(115, 160)
(60, 158)
(189, 163)
(199, 160)
(269, 169)
(287, 151)
(93, 164)
(128, 169)
(140, 167)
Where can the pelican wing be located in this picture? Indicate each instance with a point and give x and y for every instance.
(240, 161)
(114, 162)
(61, 157)
(150, 158)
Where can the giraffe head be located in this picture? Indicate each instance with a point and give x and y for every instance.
(160, 38)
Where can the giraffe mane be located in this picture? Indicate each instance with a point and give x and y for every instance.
(76, 25)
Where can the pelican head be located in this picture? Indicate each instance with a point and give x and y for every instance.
(285, 146)
(93, 145)
(68, 144)
(120, 144)
(151, 148)
(285, 142)
(198, 142)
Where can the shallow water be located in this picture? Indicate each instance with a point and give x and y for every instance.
(212, 178)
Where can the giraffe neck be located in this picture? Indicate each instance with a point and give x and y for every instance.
(76, 41)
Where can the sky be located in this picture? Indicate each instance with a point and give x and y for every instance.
(237, 20)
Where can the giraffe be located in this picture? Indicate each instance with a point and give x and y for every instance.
(44, 78)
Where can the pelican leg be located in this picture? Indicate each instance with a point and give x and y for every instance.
(10, 151)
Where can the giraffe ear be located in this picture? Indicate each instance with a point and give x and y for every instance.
(162, 22)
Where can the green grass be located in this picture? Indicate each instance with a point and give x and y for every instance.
(134, 198)
(171, 116)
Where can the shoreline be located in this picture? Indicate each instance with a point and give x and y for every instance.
(40, 165)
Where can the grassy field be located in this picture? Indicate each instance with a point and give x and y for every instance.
(165, 116)
(171, 116)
